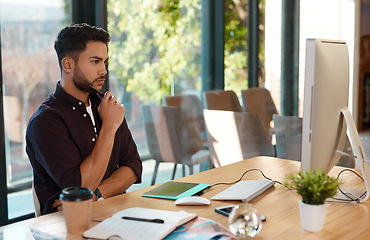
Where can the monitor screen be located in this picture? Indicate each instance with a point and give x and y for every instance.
(326, 92)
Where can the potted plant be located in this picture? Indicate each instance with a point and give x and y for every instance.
(314, 187)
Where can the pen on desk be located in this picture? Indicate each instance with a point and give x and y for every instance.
(155, 220)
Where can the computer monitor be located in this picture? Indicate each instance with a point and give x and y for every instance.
(326, 92)
(325, 112)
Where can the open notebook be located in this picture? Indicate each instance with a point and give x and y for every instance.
(136, 230)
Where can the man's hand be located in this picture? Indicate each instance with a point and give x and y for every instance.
(94, 166)
(57, 204)
(111, 111)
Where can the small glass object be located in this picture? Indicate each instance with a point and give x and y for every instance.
(245, 221)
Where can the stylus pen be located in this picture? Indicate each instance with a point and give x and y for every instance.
(99, 93)
(155, 220)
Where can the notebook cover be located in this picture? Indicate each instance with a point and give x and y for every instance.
(176, 190)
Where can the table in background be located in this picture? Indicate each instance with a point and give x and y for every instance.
(278, 204)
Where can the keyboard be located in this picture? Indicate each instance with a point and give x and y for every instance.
(244, 190)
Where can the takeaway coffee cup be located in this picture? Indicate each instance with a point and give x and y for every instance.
(76, 208)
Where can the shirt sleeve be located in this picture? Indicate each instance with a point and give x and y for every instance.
(55, 151)
(129, 155)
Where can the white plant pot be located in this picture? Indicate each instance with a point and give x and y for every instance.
(312, 216)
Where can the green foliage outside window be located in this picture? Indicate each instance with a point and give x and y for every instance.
(156, 44)
(236, 45)
(236, 34)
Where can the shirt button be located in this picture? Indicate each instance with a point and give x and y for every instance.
(73, 108)
(93, 139)
(80, 103)
(85, 115)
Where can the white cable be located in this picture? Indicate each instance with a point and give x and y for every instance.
(351, 156)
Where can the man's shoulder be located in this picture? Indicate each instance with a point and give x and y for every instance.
(50, 108)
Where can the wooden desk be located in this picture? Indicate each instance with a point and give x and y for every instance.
(278, 204)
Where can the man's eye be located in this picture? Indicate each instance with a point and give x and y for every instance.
(95, 61)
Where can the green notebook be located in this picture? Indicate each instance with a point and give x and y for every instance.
(176, 190)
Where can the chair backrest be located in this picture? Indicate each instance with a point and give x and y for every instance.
(169, 137)
(288, 132)
(259, 100)
(222, 100)
(162, 133)
(191, 107)
(36, 202)
(235, 136)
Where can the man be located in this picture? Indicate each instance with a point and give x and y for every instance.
(75, 138)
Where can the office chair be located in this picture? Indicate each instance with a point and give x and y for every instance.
(222, 100)
(172, 139)
(191, 109)
(36, 203)
(235, 136)
(259, 100)
(288, 132)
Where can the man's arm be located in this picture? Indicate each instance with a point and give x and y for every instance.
(129, 164)
(118, 182)
(94, 166)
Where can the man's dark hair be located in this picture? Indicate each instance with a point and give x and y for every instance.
(71, 40)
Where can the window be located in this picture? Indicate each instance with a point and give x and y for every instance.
(318, 19)
(30, 73)
(236, 33)
(154, 52)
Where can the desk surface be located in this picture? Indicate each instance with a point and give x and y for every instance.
(278, 204)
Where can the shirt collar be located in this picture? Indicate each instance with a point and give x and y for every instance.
(72, 101)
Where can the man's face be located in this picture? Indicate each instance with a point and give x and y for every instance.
(90, 69)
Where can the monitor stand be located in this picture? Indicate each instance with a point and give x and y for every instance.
(360, 158)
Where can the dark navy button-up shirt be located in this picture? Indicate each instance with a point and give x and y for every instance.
(60, 135)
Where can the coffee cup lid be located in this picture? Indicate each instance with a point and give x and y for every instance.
(75, 194)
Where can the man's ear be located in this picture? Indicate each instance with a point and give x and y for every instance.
(68, 64)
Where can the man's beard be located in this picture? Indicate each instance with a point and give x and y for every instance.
(80, 81)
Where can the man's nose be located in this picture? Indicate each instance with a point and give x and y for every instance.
(103, 71)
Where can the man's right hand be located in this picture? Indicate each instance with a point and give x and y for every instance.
(57, 204)
(111, 111)
(94, 166)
